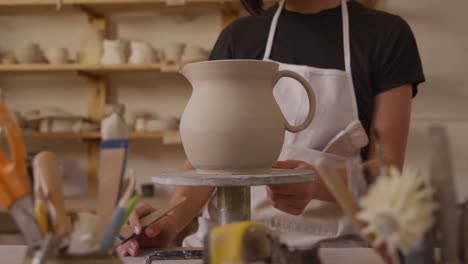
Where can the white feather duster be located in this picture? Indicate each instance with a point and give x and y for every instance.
(398, 210)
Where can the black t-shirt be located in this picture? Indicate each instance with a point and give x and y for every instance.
(384, 54)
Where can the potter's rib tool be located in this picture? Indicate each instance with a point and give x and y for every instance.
(349, 141)
(118, 216)
(126, 233)
(112, 162)
(46, 167)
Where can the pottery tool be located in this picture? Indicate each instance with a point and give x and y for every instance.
(41, 212)
(118, 216)
(40, 206)
(398, 210)
(349, 141)
(338, 188)
(126, 233)
(15, 187)
(441, 175)
(46, 167)
(130, 206)
(233, 190)
(112, 162)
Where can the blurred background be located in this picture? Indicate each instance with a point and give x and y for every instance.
(154, 95)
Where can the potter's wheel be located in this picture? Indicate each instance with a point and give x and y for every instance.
(192, 178)
(233, 192)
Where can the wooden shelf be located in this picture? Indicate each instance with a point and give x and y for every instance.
(106, 7)
(78, 68)
(97, 135)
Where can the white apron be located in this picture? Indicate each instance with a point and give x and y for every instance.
(336, 108)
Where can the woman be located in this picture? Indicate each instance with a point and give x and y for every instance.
(364, 66)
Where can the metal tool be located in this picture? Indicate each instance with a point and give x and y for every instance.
(15, 187)
(233, 192)
(173, 254)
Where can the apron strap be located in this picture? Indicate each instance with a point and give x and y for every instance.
(271, 34)
(346, 42)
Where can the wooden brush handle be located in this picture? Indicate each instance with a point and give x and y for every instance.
(46, 166)
(340, 191)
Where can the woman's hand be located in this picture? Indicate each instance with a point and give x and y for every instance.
(293, 198)
(157, 235)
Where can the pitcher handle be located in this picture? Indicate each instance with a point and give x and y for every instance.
(310, 95)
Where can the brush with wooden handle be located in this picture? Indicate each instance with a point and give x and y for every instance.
(112, 164)
(46, 167)
(349, 141)
(338, 188)
(118, 216)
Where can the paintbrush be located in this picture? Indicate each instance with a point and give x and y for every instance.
(118, 216)
(338, 188)
(112, 162)
(349, 141)
(127, 233)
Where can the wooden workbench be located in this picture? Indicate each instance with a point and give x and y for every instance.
(15, 254)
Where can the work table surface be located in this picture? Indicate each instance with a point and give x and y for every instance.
(15, 255)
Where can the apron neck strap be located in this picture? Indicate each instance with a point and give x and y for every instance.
(346, 42)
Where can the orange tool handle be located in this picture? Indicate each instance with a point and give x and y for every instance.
(5, 199)
(13, 174)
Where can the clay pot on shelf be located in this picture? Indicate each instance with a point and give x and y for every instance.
(84, 126)
(173, 52)
(9, 58)
(232, 123)
(141, 53)
(30, 53)
(164, 124)
(114, 52)
(57, 55)
(194, 53)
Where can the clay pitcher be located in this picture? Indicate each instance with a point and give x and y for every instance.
(232, 123)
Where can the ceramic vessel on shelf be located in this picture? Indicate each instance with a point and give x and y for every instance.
(114, 52)
(141, 53)
(232, 123)
(30, 53)
(84, 126)
(91, 46)
(195, 53)
(9, 58)
(163, 124)
(57, 55)
(173, 52)
(58, 125)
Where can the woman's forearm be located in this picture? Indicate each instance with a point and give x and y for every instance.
(197, 197)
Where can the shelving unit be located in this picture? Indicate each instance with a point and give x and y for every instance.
(107, 7)
(97, 135)
(99, 14)
(78, 68)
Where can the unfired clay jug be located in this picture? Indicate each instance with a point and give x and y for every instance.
(232, 123)
(141, 52)
(114, 52)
